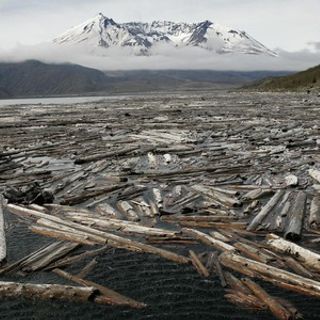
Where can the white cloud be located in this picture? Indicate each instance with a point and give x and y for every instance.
(165, 58)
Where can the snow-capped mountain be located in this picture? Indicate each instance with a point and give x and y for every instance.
(143, 38)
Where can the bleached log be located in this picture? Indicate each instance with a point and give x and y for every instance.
(64, 262)
(111, 239)
(127, 209)
(87, 268)
(314, 217)
(257, 194)
(291, 180)
(297, 210)
(279, 277)
(315, 174)
(61, 235)
(106, 209)
(306, 256)
(202, 270)
(46, 291)
(123, 226)
(107, 296)
(265, 210)
(3, 244)
(247, 301)
(208, 240)
(277, 309)
(68, 230)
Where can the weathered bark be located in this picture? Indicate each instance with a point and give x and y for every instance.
(64, 262)
(3, 244)
(123, 226)
(307, 257)
(61, 235)
(46, 291)
(87, 268)
(246, 301)
(111, 239)
(219, 270)
(315, 174)
(314, 218)
(100, 156)
(265, 210)
(294, 228)
(208, 240)
(126, 208)
(202, 270)
(277, 309)
(271, 274)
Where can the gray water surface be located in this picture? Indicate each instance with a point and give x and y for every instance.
(171, 291)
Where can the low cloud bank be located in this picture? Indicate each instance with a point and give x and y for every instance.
(163, 57)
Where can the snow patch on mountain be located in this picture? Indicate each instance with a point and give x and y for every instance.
(144, 38)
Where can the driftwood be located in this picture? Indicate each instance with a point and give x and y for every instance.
(265, 210)
(3, 244)
(314, 218)
(197, 167)
(46, 291)
(208, 240)
(297, 211)
(279, 311)
(111, 239)
(307, 257)
(271, 274)
(106, 296)
(202, 270)
(315, 174)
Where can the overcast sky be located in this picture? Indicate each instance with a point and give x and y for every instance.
(287, 24)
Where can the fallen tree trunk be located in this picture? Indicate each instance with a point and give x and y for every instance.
(111, 239)
(294, 228)
(277, 309)
(3, 245)
(265, 210)
(208, 240)
(314, 218)
(46, 291)
(279, 277)
(107, 295)
(202, 270)
(306, 256)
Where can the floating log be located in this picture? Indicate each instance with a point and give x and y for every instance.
(47, 291)
(87, 268)
(100, 156)
(279, 277)
(61, 235)
(265, 210)
(246, 301)
(202, 270)
(315, 174)
(208, 240)
(3, 244)
(111, 239)
(277, 309)
(127, 209)
(64, 262)
(106, 296)
(314, 217)
(297, 210)
(306, 256)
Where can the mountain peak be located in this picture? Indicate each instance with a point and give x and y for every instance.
(141, 37)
